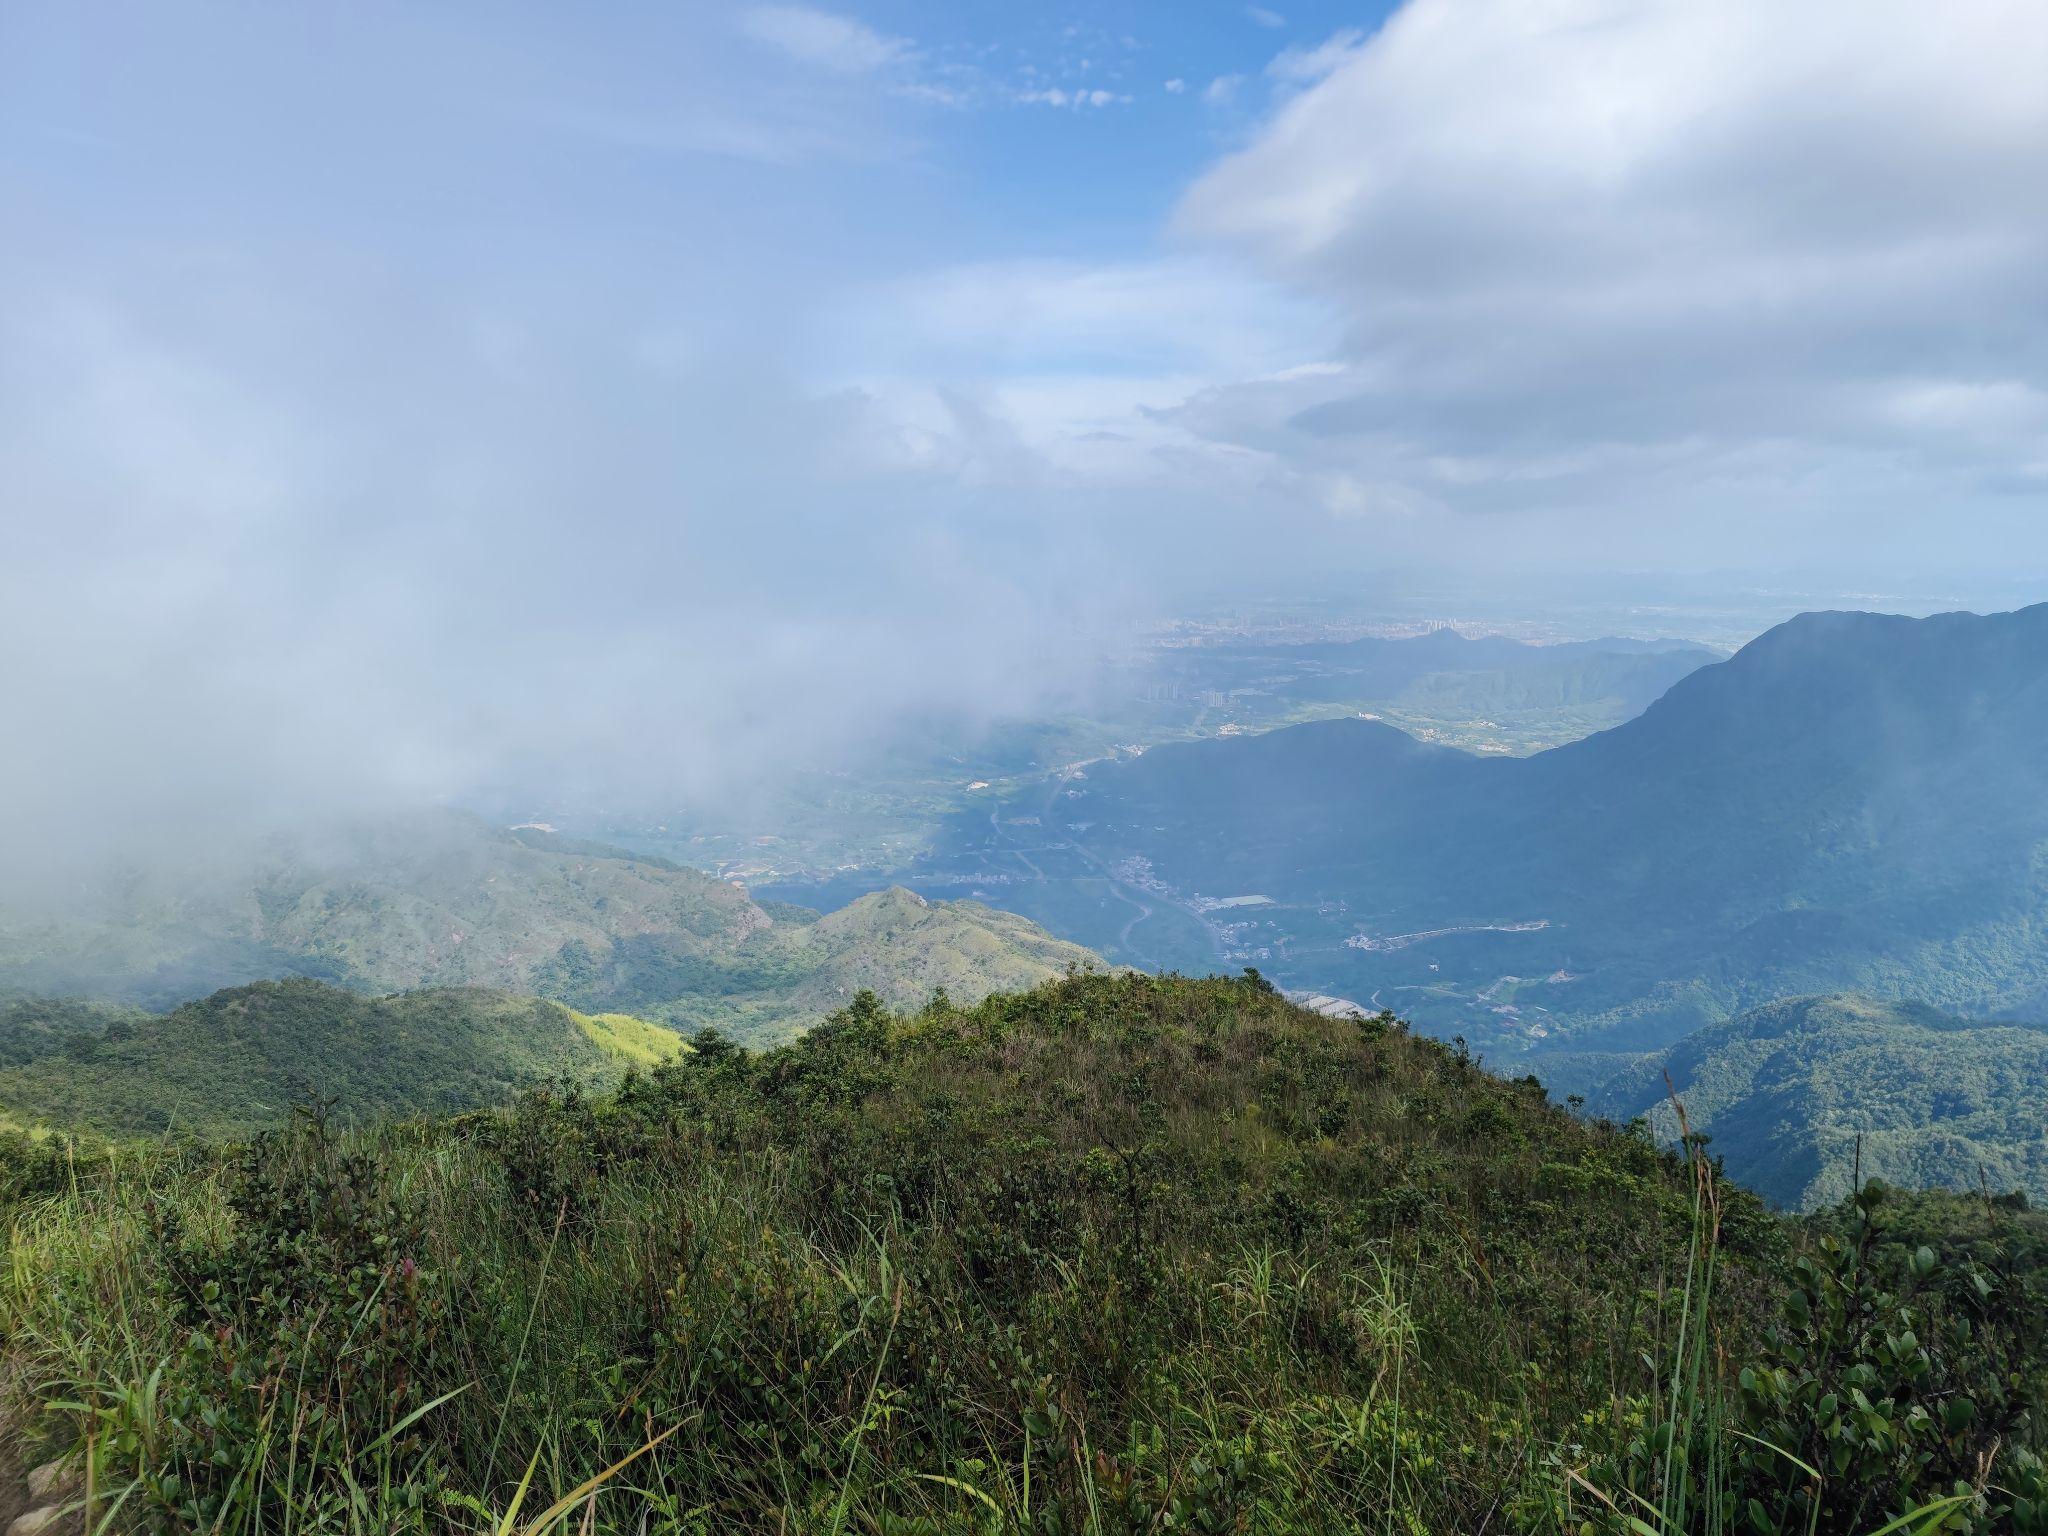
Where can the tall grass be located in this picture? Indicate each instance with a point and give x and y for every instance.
(1696, 1439)
(1122, 1255)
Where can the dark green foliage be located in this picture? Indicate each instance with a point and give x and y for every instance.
(1122, 1254)
(34, 1168)
(1991, 1230)
(43, 1026)
(308, 1325)
(1896, 1378)
(1899, 1383)
(1185, 1252)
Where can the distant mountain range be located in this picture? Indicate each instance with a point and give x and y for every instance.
(1799, 1096)
(827, 834)
(446, 901)
(1852, 801)
(1852, 804)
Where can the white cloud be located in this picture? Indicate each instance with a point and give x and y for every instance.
(1304, 66)
(1088, 366)
(1263, 17)
(1221, 91)
(1176, 87)
(445, 452)
(473, 449)
(1185, 315)
(1661, 256)
(822, 39)
(319, 558)
(1059, 96)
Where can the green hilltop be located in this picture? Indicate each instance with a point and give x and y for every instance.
(1120, 1255)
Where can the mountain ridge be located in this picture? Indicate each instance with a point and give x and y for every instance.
(446, 900)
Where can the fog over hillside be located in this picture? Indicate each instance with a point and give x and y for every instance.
(638, 411)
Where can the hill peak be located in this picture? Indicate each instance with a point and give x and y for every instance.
(446, 900)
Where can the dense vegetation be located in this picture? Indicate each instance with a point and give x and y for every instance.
(444, 900)
(1804, 1095)
(36, 1026)
(238, 1061)
(1120, 1254)
(1851, 802)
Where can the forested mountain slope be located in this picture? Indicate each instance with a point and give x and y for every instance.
(1799, 1095)
(1851, 801)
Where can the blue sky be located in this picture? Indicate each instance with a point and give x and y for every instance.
(672, 387)
(1187, 82)
(726, 161)
(996, 130)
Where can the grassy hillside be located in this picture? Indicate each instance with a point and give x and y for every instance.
(1122, 1254)
(446, 901)
(1792, 1093)
(893, 943)
(239, 1060)
(634, 1042)
(904, 948)
(1851, 802)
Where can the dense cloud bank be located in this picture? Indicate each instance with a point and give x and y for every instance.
(407, 409)
(1702, 266)
(403, 406)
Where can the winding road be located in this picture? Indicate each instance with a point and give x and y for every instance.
(1007, 841)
